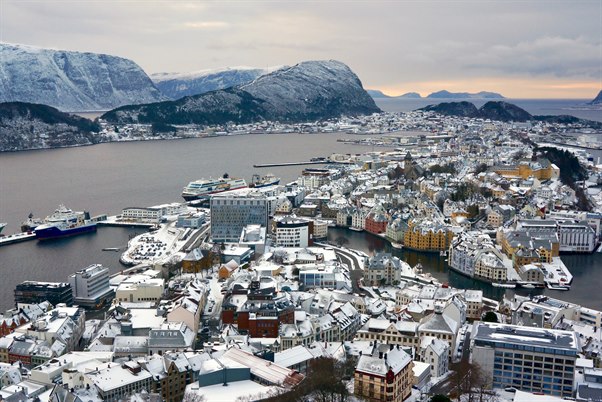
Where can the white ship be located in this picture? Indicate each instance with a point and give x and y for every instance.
(205, 187)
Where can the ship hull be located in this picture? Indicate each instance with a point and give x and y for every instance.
(54, 232)
(271, 183)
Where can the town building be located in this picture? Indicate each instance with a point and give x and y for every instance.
(382, 269)
(526, 358)
(293, 232)
(91, 286)
(33, 292)
(231, 213)
(384, 375)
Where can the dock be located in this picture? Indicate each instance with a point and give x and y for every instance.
(16, 238)
(267, 165)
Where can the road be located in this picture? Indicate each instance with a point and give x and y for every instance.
(356, 273)
(445, 387)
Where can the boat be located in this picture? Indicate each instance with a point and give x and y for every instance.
(264, 181)
(111, 249)
(356, 229)
(65, 222)
(504, 285)
(202, 188)
(557, 287)
(31, 223)
(2, 226)
(396, 245)
(528, 286)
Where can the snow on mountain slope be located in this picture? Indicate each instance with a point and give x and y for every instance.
(308, 91)
(178, 85)
(72, 81)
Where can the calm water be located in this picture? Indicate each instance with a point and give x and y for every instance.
(586, 270)
(533, 106)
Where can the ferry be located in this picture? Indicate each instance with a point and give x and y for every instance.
(264, 181)
(65, 222)
(204, 187)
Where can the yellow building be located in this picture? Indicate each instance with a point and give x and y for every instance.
(428, 237)
(541, 169)
(385, 375)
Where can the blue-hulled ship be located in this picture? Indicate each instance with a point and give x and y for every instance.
(65, 222)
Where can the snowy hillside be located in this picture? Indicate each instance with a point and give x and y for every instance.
(72, 81)
(31, 126)
(178, 85)
(308, 91)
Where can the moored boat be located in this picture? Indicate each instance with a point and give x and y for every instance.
(202, 188)
(504, 285)
(264, 181)
(65, 222)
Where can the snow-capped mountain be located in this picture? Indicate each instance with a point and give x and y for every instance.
(178, 85)
(72, 81)
(308, 91)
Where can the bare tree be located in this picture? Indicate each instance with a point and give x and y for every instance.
(194, 397)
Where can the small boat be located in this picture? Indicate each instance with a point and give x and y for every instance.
(2, 226)
(396, 245)
(552, 286)
(356, 229)
(264, 181)
(111, 249)
(528, 286)
(504, 285)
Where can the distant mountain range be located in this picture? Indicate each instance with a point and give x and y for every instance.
(308, 91)
(597, 100)
(464, 95)
(178, 85)
(72, 81)
(33, 126)
(501, 111)
(376, 94)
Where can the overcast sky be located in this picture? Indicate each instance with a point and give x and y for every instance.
(528, 49)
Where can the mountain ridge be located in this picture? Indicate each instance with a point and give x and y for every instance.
(178, 85)
(69, 80)
(307, 91)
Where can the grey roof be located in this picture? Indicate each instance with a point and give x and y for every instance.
(587, 393)
(498, 335)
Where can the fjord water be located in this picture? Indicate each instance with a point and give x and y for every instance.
(106, 178)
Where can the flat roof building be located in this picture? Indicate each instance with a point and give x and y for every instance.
(526, 358)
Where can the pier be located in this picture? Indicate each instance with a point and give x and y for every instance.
(267, 165)
(317, 162)
(16, 238)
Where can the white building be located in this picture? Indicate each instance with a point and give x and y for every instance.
(435, 352)
(293, 232)
(142, 290)
(153, 214)
(91, 285)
